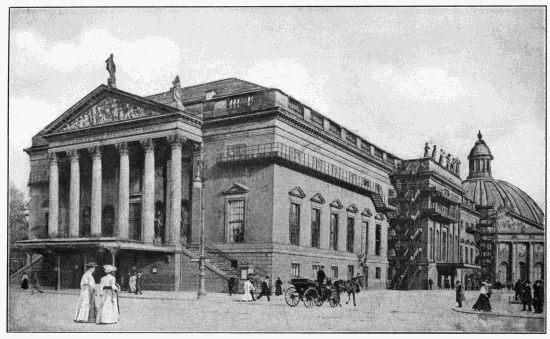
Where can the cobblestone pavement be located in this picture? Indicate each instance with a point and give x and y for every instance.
(377, 310)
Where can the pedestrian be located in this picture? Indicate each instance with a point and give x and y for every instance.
(249, 290)
(132, 282)
(430, 284)
(85, 311)
(108, 311)
(517, 288)
(538, 296)
(447, 284)
(321, 277)
(35, 283)
(25, 281)
(231, 284)
(265, 289)
(278, 286)
(483, 303)
(139, 283)
(459, 294)
(526, 297)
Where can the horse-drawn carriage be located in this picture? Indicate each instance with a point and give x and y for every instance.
(310, 293)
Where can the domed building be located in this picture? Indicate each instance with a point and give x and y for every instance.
(511, 227)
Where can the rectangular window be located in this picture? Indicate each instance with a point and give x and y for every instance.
(351, 235)
(316, 118)
(378, 240)
(378, 153)
(315, 227)
(334, 272)
(366, 240)
(294, 270)
(444, 245)
(351, 271)
(334, 231)
(294, 224)
(134, 222)
(350, 137)
(235, 221)
(472, 256)
(365, 145)
(378, 273)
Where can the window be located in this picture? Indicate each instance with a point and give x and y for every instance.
(431, 252)
(378, 273)
(444, 246)
(333, 231)
(472, 256)
(365, 146)
(350, 137)
(294, 224)
(334, 272)
(378, 153)
(235, 220)
(316, 118)
(366, 241)
(294, 270)
(351, 272)
(315, 227)
(462, 254)
(437, 243)
(378, 239)
(314, 270)
(236, 150)
(351, 234)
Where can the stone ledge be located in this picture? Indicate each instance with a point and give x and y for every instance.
(500, 314)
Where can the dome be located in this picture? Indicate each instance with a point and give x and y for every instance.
(491, 192)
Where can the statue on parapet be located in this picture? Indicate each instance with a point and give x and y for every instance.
(441, 157)
(111, 68)
(434, 153)
(426, 151)
(448, 161)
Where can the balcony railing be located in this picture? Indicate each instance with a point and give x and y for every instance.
(293, 155)
(442, 213)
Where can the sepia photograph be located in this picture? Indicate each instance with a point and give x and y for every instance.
(293, 169)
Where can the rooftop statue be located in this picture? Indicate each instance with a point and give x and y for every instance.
(111, 68)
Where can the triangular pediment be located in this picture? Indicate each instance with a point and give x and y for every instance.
(352, 208)
(105, 106)
(297, 192)
(318, 198)
(236, 188)
(366, 213)
(336, 204)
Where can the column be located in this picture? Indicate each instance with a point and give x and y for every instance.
(53, 212)
(514, 274)
(531, 264)
(175, 197)
(74, 200)
(96, 191)
(123, 191)
(148, 193)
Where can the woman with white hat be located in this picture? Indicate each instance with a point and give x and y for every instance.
(85, 311)
(108, 311)
(483, 303)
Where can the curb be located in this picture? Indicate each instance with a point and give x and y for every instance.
(499, 314)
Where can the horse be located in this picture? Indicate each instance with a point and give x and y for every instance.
(352, 287)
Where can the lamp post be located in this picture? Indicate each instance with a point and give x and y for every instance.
(198, 182)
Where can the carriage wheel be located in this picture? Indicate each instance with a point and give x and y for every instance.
(319, 302)
(334, 299)
(292, 297)
(310, 296)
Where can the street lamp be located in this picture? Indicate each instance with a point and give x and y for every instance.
(198, 183)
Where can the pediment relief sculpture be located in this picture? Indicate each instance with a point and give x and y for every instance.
(108, 110)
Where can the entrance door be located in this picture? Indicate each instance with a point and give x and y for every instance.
(523, 274)
(134, 222)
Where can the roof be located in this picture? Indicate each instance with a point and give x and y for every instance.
(480, 149)
(224, 87)
(491, 192)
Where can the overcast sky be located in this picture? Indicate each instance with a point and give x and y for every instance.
(399, 77)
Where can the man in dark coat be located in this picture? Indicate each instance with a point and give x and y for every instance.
(538, 296)
(321, 276)
(265, 289)
(518, 287)
(459, 293)
(526, 296)
(231, 284)
(139, 283)
(430, 283)
(278, 286)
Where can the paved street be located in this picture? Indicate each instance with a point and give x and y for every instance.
(377, 310)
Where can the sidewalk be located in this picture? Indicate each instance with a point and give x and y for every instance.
(157, 295)
(502, 314)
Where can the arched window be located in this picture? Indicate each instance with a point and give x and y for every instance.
(108, 221)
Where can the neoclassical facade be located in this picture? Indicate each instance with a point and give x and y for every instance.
(278, 189)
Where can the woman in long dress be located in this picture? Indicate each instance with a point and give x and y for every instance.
(483, 303)
(248, 290)
(108, 311)
(85, 312)
(132, 283)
